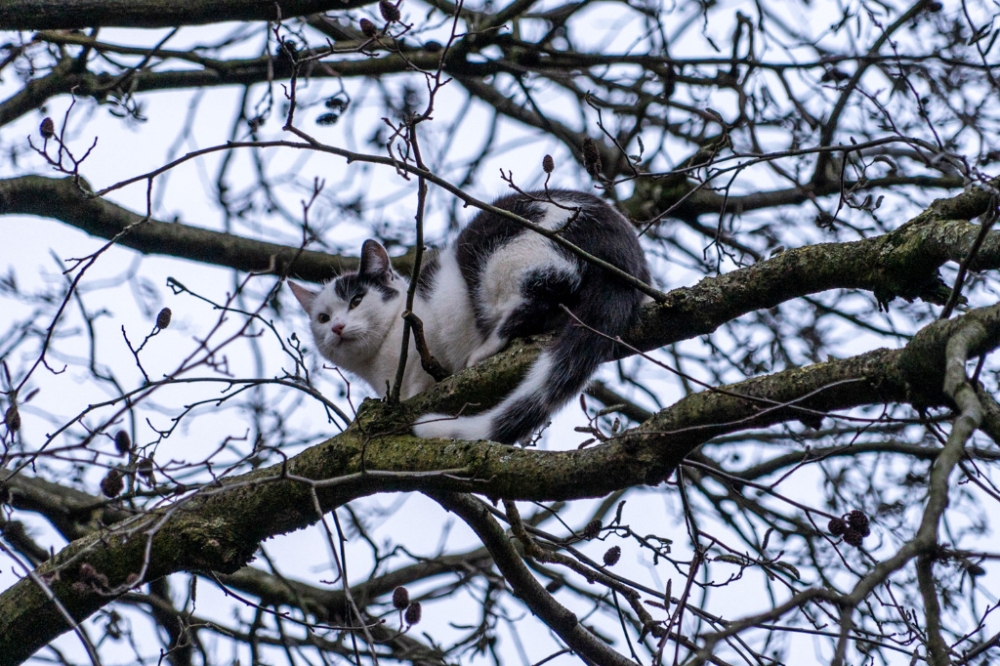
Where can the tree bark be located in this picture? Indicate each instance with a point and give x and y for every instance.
(78, 14)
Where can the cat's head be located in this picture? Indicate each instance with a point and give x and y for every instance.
(351, 315)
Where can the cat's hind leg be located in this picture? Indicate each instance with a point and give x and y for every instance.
(494, 343)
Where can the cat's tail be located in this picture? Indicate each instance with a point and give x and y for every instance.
(558, 374)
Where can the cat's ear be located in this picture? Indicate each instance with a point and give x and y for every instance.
(304, 296)
(374, 260)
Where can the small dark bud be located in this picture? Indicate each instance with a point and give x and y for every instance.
(163, 319)
(834, 74)
(328, 119)
(592, 530)
(859, 521)
(112, 484)
(145, 468)
(368, 28)
(12, 419)
(548, 164)
(837, 526)
(934, 7)
(824, 220)
(591, 157)
(669, 78)
(400, 598)
(123, 442)
(288, 50)
(612, 556)
(47, 129)
(412, 615)
(433, 47)
(389, 11)
(975, 570)
(854, 537)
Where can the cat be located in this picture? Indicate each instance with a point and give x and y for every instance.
(497, 281)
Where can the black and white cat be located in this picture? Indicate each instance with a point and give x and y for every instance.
(497, 281)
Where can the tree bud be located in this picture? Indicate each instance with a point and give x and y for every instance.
(47, 129)
(368, 28)
(412, 615)
(123, 442)
(591, 157)
(389, 11)
(400, 598)
(112, 484)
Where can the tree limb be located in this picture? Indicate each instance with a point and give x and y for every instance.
(220, 528)
(76, 14)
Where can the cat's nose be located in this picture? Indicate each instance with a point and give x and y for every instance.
(338, 328)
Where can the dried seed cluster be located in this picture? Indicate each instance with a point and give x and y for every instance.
(853, 527)
(592, 530)
(591, 157)
(389, 11)
(47, 129)
(112, 484)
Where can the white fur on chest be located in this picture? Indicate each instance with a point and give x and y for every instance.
(448, 317)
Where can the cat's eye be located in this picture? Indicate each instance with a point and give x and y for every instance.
(323, 317)
(355, 302)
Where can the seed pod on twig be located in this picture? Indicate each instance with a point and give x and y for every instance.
(163, 319)
(412, 615)
(123, 442)
(859, 521)
(368, 28)
(112, 484)
(548, 164)
(389, 11)
(145, 469)
(400, 598)
(592, 530)
(837, 526)
(12, 418)
(591, 157)
(854, 537)
(612, 556)
(47, 129)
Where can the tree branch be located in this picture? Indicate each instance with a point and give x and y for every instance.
(61, 199)
(219, 528)
(75, 14)
(558, 618)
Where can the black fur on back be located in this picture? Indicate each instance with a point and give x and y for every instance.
(598, 298)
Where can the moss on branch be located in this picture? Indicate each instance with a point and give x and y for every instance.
(220, 528)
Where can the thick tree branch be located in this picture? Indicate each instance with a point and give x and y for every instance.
(902, 263)
(76, 14)
(61, 199)
(559, 618)
(219, 529)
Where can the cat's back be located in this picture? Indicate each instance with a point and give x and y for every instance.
(494, 251)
